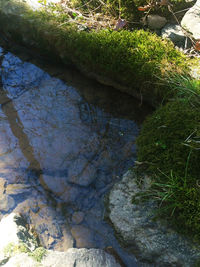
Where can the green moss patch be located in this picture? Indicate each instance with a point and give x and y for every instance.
(133, 59)
(168, 136)
(169, 148)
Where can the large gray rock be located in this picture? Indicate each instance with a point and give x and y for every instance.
(191, 20)
(151, 241)
(73, 257)
(80, 258)
(175, 34)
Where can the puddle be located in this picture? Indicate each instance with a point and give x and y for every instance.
(62, 147)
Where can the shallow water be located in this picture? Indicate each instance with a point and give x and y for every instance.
(62, 147)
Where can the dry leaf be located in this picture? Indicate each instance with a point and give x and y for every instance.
(121, 23)
(197, 45)
(143, 8)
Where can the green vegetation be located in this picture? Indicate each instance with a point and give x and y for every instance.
(38, 253)
(169, 148)
(128, 58)
(12, 249)
(125, 9)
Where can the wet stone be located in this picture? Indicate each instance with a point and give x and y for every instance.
(6, 203)
(2, 185)
(81, 173)
(14, 189)
(77, 217)
(84, 236)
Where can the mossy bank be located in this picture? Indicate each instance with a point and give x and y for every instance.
(129, 61)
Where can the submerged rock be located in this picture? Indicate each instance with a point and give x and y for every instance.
(152, 241)
(6, 203)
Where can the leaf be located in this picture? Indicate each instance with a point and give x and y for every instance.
(143, 8)
(121, 23)
(197, 45)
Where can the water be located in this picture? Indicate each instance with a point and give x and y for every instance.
(62, 147)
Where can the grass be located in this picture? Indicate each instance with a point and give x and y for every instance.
(169, 147)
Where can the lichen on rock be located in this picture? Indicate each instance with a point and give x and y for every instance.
(151, 241)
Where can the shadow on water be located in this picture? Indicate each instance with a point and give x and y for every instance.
(105, 97)
(73, 145)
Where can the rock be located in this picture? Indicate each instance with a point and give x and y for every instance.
(84, 236)
(156, 22)
(77, 217)
(79, 258)
(195, 70)
(81, 173)
(175, 34)
(6, 203)
(22, 260)
(151, 241)
(14, 233)
(73, 257)
(14, 189)
(191, 20)
(2, 185)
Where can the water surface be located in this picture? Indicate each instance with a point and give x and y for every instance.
(62, 147)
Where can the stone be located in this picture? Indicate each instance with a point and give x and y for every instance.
(6, 203)
(151, 241)
(2, 185)
(77, 217)
(175, 34)
(79, 258)
(83, 236)
(13, 230)
(14, 189)
(81, 173)
(156, 22)
(22, 260)
(191, 20)
(73, 257)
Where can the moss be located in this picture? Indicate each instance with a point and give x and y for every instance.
(133, 59)
(38, 253)
(13, 249)
(163, 139)
(169, 148)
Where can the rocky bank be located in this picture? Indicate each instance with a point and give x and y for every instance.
(151, 241)
(19, 247)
